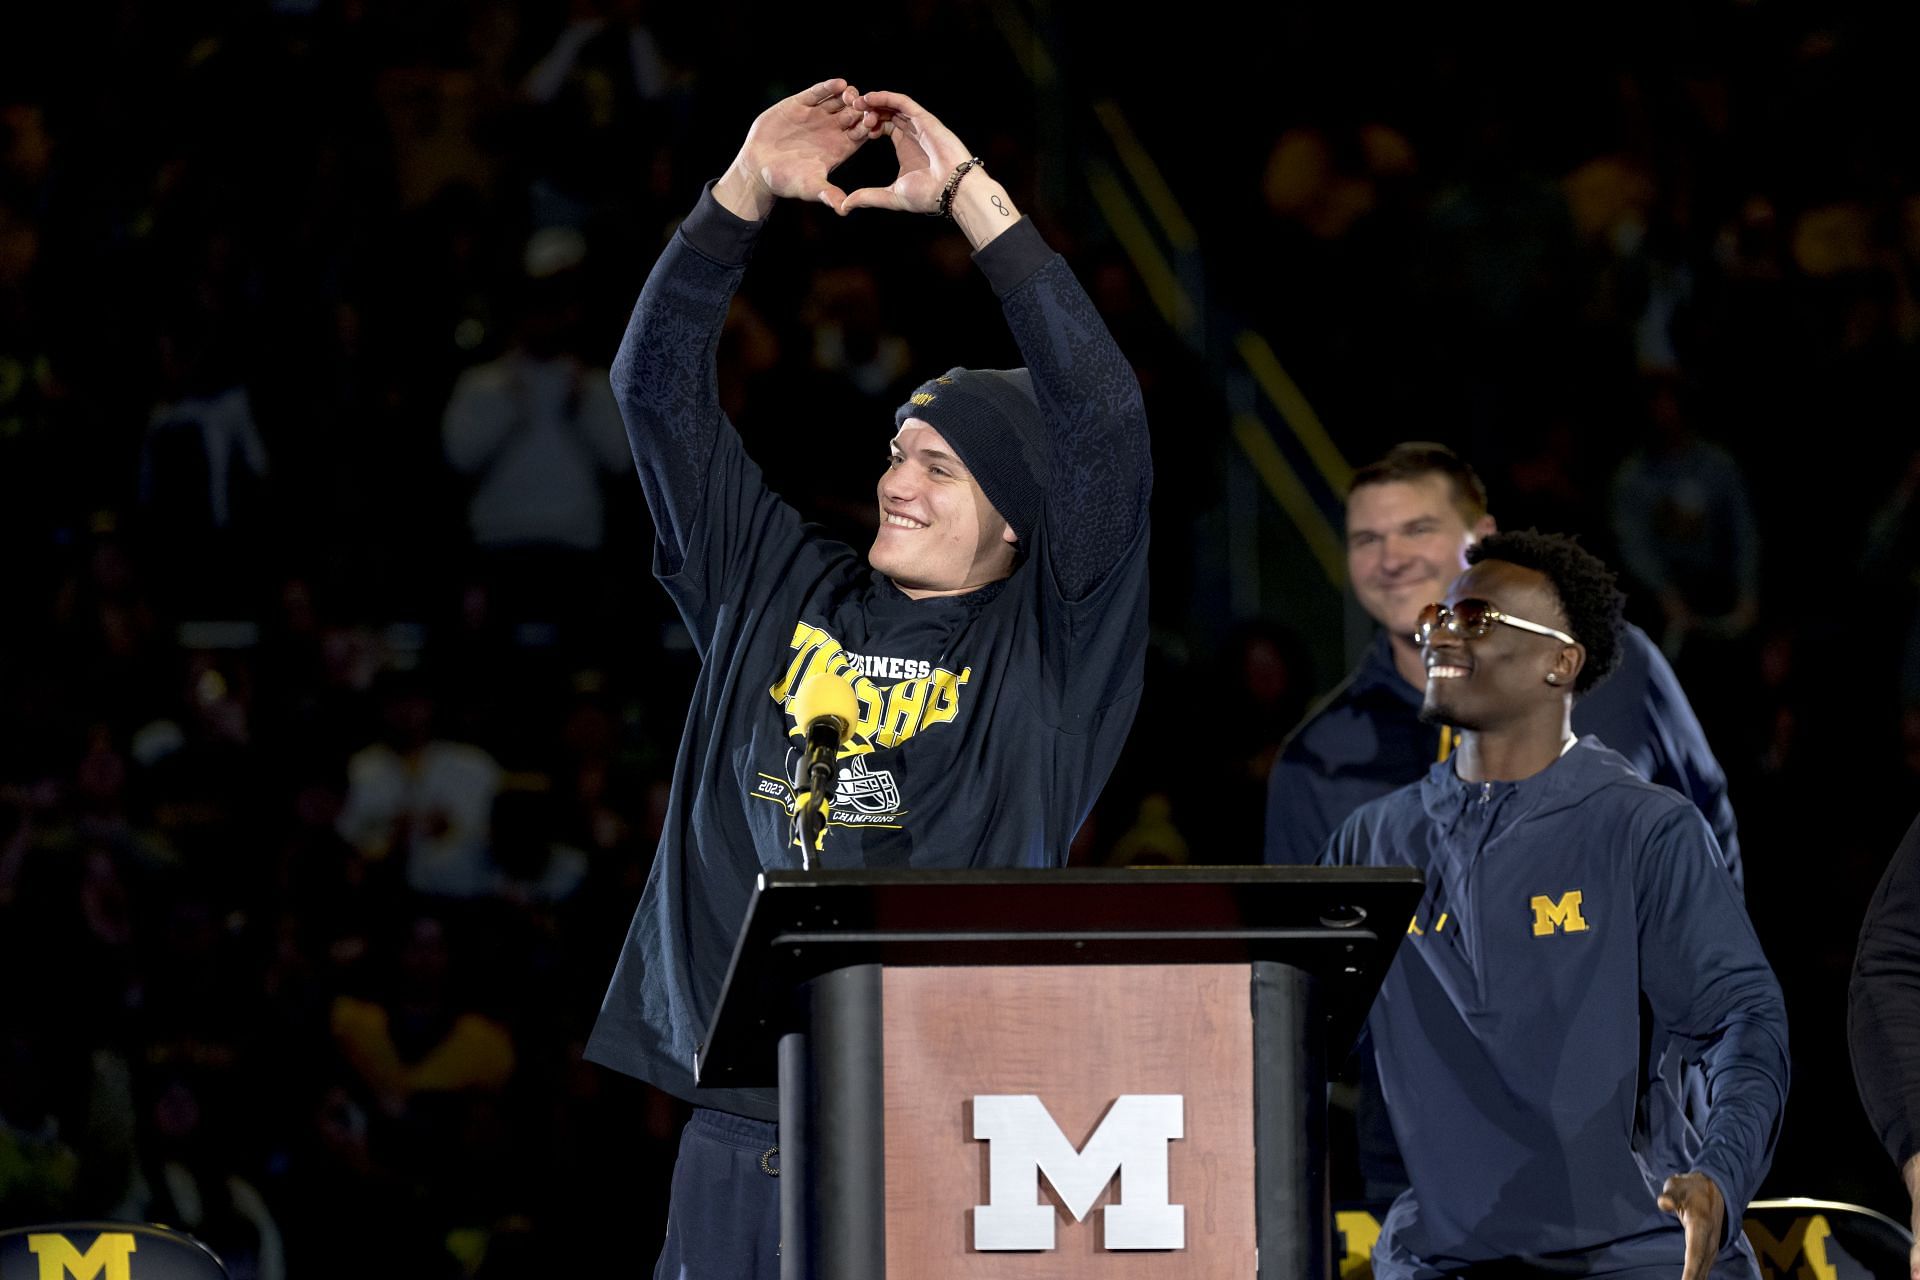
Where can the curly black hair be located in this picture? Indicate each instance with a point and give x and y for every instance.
(1589, 595)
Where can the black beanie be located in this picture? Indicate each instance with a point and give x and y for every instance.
(993, 422)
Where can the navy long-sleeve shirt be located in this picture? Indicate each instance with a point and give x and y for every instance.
(989, 721)
(1509, 1028)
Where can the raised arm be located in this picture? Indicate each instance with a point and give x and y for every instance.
(664, 376)
(1100, 462)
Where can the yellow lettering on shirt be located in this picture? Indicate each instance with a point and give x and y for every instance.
(946, 696)
(889, 714)
(873, 702)
(905, 702)
(805, 640)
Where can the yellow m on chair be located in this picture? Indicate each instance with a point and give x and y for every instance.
(1563, 914)
(105, 1250)
(1801, 1252)
(107, 1258)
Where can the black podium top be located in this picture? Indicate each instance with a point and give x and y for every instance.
(1341, 924)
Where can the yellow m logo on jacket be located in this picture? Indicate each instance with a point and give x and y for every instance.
(1562, 914)
(110, 1252)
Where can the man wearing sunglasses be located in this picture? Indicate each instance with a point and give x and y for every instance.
(1574, 912)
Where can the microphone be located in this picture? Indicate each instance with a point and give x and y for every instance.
(826, 709)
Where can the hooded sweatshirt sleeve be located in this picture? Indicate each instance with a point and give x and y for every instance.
(664, 376)
(1704, 974)
(1883, 1005)
(1100, 463)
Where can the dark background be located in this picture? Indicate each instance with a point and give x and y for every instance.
(247, 249)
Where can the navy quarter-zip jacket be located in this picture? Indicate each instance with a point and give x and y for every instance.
(1567, 917)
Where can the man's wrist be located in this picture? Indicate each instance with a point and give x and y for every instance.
(1716, 1182)
(982, 208)
(741, 193)
(1727, 1225)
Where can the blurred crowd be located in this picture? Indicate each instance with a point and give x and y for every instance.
(339, 701)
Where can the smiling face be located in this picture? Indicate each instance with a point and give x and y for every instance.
(1508, 675)
(1406, 540)
(939, 536)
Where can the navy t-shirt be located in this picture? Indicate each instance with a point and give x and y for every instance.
(989, 722)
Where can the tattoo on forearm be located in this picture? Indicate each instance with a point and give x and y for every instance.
(1001, 205)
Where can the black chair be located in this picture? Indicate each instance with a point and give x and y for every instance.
(1797, 1238)
(105, 1251)
(1794, 1239)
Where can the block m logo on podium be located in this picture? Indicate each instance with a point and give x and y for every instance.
(1024, 1144)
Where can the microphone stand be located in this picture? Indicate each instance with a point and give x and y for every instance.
(810, 815)
(811, 821)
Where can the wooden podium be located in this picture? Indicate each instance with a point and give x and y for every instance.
(1049, 1074)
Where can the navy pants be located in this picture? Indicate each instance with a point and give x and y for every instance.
(723, 1217)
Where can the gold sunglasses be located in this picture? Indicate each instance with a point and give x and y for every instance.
(1471, 619)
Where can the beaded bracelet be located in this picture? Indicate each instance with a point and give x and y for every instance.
(953, 184)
